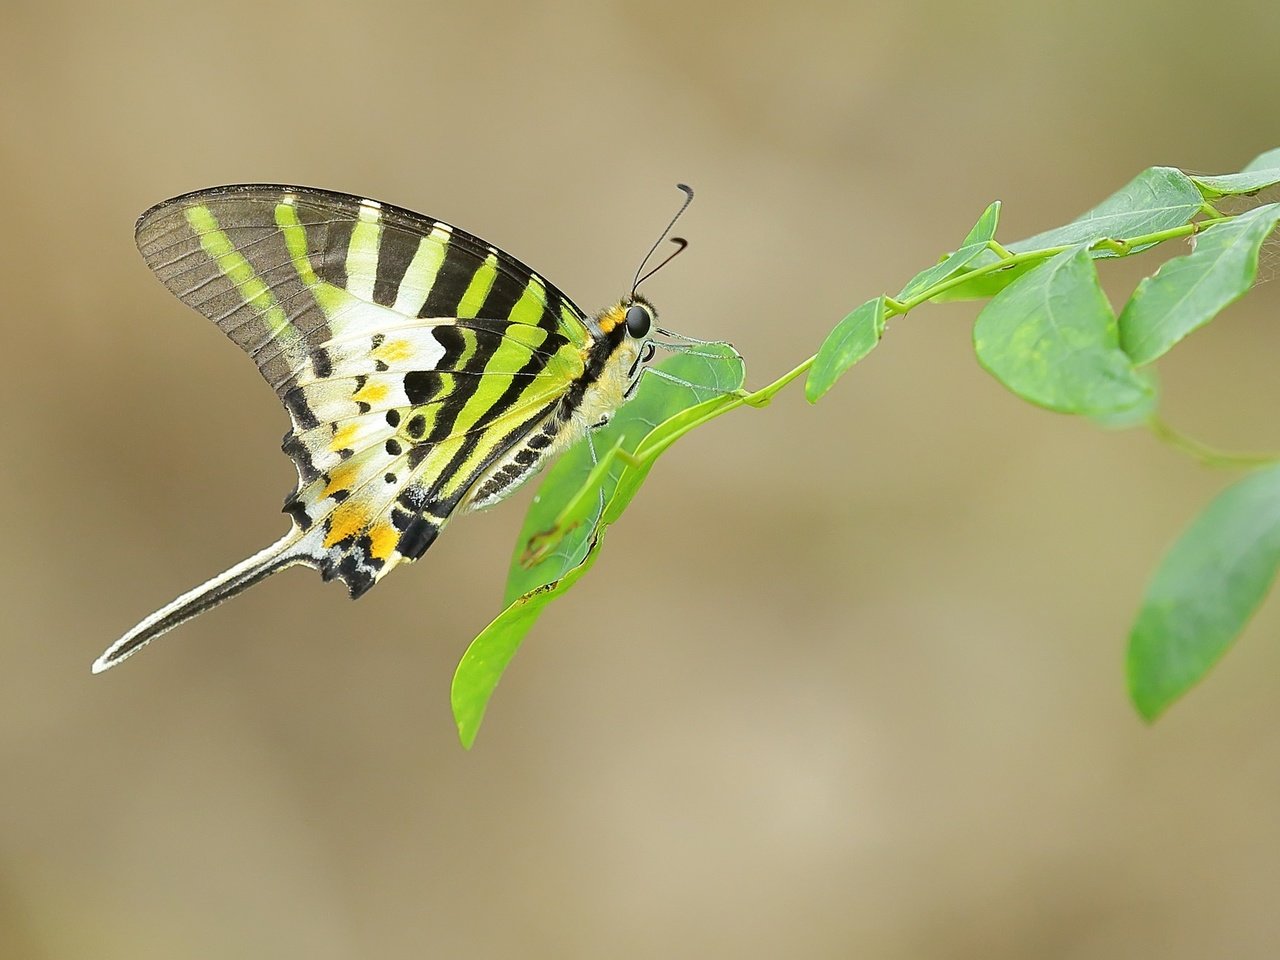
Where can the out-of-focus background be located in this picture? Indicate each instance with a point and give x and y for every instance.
(847, 680)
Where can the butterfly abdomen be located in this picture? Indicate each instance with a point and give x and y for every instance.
(520, 463)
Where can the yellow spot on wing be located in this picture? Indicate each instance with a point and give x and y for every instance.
(384, 538)
(346, 521)
(393, 351)
(341, 477)
(370, 393)
(342, 439)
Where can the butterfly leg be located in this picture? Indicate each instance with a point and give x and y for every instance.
(697, 388)
(681, 336)
(595, 464)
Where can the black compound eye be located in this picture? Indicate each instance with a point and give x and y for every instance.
(638, 320)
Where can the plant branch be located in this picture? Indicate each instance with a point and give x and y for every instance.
(893, 308)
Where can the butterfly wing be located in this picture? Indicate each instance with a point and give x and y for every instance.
(412, 357)
(409, 353)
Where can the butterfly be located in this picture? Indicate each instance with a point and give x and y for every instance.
(426, 373)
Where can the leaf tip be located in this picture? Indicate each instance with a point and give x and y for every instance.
(813, 390)
(1148, 707)
(1148, 694)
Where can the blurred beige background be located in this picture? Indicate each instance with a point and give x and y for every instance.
(847, 680)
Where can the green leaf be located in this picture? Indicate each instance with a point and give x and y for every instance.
(1187, 292)
(484, 661)
(1159, 198)
(1051, 338)
(852, 339)
(565, 525)
(1262, 172)
(1204, 591)
(975, 243)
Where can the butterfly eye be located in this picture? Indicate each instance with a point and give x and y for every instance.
(638, 320)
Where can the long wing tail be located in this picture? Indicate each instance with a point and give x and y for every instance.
(285, 552)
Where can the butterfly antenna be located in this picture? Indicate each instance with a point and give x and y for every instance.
(682, 243)
(688, 199)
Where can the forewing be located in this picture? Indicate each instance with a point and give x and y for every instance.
(292, 273)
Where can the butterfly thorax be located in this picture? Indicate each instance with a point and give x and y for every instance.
(611, 366)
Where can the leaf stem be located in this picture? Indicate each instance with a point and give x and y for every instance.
(1205, 454)
(1121, 247)
(761, 397)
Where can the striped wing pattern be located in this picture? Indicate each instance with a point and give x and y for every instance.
(412, 358)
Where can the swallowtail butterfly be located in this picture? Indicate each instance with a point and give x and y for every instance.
(426, 372)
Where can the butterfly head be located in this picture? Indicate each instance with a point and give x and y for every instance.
(625, 345)
(641, 320)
